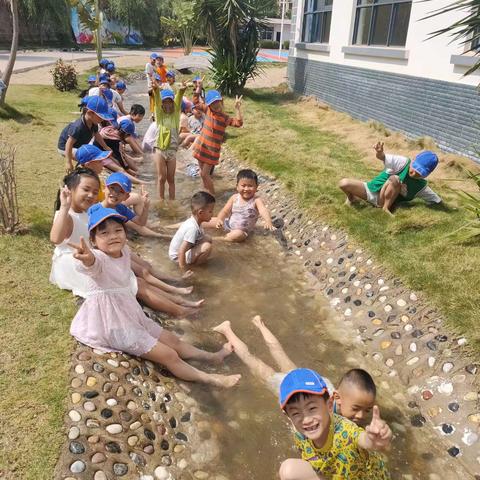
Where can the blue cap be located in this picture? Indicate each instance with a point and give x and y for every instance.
(425, 163)
(110, 67)
(92, 78)
(103, 79)
(212, 96)
(89, 153)
(196, 78)
(301, 380)
(121, 179)
(108, 94)
(127, 126)
(153, 56)
(84, 100)
(165, 94)
(121, 85)
(98, 214)
(114, 115)
(171, 73)
(104, 62)
(157, 77)
(99, 105)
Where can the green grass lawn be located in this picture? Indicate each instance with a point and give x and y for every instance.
(310, 158)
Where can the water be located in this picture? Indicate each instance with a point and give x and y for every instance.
(257, 277)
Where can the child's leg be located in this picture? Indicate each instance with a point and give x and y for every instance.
(389, 193)
(296, 469)
(236, 236)
(171, 168)
(205, 173)
(260, 369)
(276, 349)
(353, 189)
(161, 167)
(200, 253)
(156, 273)
(179, 300)
(135, 201)
(167, 356)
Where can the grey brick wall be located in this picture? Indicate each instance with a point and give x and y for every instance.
(447, 112)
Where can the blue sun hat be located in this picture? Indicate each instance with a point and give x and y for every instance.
(157, 77)
(127, 126)
(120, 179)
(110, 67)
(121, 85)
(153, 56)
(114, 115)
(92, 79)
(90, 153)
(99, 105)
(171, 73)
(167, 94)
(98, 214)
(103, 79)
(425, 163)
(108, 94)
(196, 78)
(212, 96)
(301, 380)
(104, 62)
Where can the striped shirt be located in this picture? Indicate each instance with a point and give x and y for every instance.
(207, 146)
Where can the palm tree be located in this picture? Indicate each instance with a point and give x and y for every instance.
(13, 51)
(232, 28)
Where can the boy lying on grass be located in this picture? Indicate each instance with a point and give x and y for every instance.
(401, 181)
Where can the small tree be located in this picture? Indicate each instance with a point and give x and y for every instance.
(13, 52)
(9, 219)
(182, 23)
(91, 17)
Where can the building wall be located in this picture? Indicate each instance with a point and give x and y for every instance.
(415, 89)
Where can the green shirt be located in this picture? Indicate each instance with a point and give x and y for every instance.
(168, 123)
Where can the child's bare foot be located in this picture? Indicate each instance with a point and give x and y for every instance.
(386, 210)
(223, 328)
(224, 381)
(220, 356)
(184, 290)
(187, 274)
(188, 311)
(350, 201)
(257, 321)
(198, 304)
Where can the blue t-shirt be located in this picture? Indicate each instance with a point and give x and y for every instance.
(125, 211)
(79, 131)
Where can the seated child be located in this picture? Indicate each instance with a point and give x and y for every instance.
(190, 126)
(92, 82)
(170, 83)
(137, 112)
(207, 147)
(401, 181)
(330, 445)
(112, 320)
(240, 214)
(190, 245)
(120, 88)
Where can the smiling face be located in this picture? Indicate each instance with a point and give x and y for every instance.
(247, 188)
(354, 403)
(114, 195)
(168, 105)
(310, 416)
(85, 194)
(217, 106)
(110, 238)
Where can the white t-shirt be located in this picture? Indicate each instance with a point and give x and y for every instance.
(190, 232)
(195, 125)
(149, 71)
(394, 164)
(95, 91)
(150, 137)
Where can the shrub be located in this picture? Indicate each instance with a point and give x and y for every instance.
(269, 44)
(9, 219)
(286, 44)
(64, 76)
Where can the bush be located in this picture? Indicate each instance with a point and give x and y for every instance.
(269, 44)
(286, 44)
(64, 76)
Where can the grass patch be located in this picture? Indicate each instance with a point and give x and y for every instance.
(35, 317)
(310, 149)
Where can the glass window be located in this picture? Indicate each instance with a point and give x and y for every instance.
(317, 17)
(382, 22)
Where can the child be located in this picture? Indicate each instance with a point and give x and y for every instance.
(190, 245)
(167, 115)
(69, 224)
(198, 90)
(170, 83)
(92, 82)
(401, 181)
(82, 130)
(118, 91)
(103, 84)
(137, 112)
(206, 148)
(160, 69)
(190, 126)
(111, 319)
(331, 446)
(149, 73)
(240, 214)
(102, 64)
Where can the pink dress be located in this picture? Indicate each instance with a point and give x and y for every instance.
(111, 319)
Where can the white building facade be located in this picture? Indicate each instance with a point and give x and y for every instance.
(374, 59)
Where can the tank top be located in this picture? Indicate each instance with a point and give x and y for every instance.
(244, 214)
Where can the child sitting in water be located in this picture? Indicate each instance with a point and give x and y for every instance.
(111, 319)
(190, 245)
(401, 181)
(240, 214)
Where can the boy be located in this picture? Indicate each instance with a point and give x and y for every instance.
(137, 112)
(160, 68)
(331, 446)
(190, 245)
(120, 88)
(170, 83)
(81, 131)
(401, 181)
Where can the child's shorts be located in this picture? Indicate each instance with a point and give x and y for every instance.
(228, 228)
(188, 257)
(168, 155)
(372, 197)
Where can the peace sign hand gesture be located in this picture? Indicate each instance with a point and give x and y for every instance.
(378, 147)
(83, 252)
(65, 198)
(238, 101)
(378, 433)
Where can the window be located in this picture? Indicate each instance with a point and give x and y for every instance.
(317, 17)
(382, 22)
(266, 33)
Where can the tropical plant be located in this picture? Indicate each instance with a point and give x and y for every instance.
(232, 28)
(5, 80)
(91, 17)
(182, 23)
(133, 13)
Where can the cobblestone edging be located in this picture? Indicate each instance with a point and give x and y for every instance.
(402, 334)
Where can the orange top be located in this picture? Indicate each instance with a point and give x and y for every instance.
(162, 71)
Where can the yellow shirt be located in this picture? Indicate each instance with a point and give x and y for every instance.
(341, 458)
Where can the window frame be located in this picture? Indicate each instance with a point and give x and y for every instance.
(363, 5)
(321, 10)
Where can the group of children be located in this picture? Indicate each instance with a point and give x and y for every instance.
(338, 431)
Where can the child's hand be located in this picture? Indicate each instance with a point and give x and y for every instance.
(83, 253)
(219, 223)
(187, 274)
(378, 432)
(65, 198)
(269, 226)
(145, 196)
(186, 84)
(378, 147)
(238, 101)
(403, 190)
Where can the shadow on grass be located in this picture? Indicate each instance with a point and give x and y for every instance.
(270, 96)
(10, 113)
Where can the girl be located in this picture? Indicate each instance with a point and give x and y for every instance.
(240, 214)
(111, 319)
(206, 148)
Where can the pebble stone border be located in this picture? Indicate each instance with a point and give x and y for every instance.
(404, 336)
